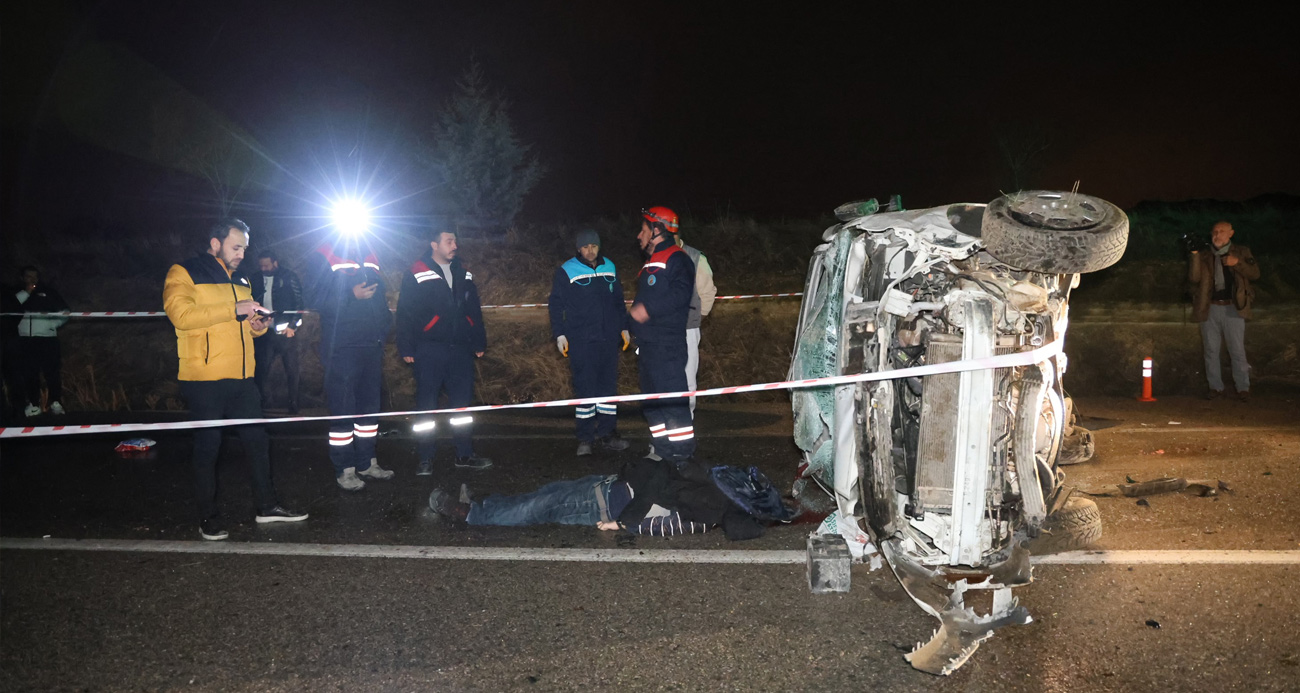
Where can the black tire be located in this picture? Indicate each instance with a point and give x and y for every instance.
(1055, 232)
(1075, 525)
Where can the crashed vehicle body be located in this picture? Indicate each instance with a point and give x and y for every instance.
(955, 475)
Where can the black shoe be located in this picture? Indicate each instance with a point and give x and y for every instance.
(211, 530)
(279, 514)
(584, 449)
(442, 503)
(1214, 394)
(613, 443)
(473, 462)
(425, 468)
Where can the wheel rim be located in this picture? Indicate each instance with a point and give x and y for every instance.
(1056, 211)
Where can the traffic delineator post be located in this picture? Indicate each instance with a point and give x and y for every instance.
(1146, 381)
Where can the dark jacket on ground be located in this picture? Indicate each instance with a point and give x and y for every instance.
(693, 494)
(286, 293)
(586, 303)
(346, 321)
(664, 286)
(430, 310)
(1200, 279)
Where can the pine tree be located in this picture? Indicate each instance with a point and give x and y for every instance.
(483, 170)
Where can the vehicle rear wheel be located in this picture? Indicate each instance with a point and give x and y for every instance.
(1055, 232)
(1075, 525)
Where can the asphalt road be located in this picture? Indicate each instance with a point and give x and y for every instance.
(139, 620)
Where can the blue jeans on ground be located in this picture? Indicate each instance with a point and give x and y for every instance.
(1225, 325)
(572, 502)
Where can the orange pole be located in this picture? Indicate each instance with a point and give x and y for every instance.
(1146, 381)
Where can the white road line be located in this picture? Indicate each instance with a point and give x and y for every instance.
(1170, 558)
(1199, 429)
(477, 553)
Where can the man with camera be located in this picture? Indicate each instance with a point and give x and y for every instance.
(1219, 278)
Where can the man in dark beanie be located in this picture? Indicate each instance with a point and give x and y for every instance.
(589, 325)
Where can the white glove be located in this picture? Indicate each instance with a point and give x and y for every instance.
(562, 343)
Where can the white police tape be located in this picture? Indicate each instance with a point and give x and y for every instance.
(162, 314)
(1021, 358)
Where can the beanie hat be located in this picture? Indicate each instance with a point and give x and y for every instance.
(587, 237)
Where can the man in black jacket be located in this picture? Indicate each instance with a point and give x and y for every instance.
(588, 323)
(659, 314)
(440, 333)
(354, 322)
(277, 289)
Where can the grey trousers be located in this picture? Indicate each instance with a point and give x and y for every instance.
(1225, 325)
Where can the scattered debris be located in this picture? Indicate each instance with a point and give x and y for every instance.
(1158, 452)
(1149, 488)
(135, 445)
(1135, 488)
(1143, 502)
(1175, 423)
(1152, 623)
(1268, 473)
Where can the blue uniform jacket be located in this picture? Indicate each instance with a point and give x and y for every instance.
(428, 310)
(586, 302)
(664, 287)
(346, 321)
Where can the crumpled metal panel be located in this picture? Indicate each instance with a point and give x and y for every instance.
(816, 356)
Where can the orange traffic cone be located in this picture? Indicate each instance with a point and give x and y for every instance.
(1146, 381)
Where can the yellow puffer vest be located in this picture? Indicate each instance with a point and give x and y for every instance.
(199, 297)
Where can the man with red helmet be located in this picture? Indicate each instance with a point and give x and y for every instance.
(665, 285)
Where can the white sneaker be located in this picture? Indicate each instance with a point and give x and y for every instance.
(349, 481)
(56, 408)
(374, 471)
(32, 410)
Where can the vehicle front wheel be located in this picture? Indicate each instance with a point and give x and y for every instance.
(1055, 232)
(1075, 525)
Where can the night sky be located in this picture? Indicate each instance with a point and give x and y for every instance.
(706, 107)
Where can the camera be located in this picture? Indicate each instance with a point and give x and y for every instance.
(1192, 243)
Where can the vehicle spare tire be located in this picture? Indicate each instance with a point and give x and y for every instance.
(1075, 525)
(1055, 232)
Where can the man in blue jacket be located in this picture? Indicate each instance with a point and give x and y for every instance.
(588, 318)
(665, 285)
(354, 322)
(440, 332)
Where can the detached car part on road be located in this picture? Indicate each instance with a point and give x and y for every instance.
(956, 475)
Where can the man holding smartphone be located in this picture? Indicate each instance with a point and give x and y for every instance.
(211, 306)
(354, 322)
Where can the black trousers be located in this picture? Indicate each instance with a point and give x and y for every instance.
(228, 399)
(662, 368)
(595, 374)
(353, 385)
(267, 349)
(441, 367)
(41, 356)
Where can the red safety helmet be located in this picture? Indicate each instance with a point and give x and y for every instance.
(664, 218)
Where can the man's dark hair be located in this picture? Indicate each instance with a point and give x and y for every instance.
(437, 234)
(222, 228)
(30, 268)
(268, 254)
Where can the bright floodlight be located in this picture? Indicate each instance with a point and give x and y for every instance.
(351, 217)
